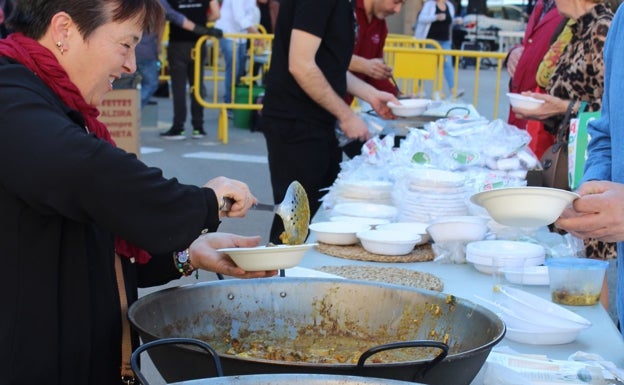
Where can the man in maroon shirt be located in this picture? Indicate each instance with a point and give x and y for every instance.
(367, 60)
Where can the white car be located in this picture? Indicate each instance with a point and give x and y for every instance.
(501, 17)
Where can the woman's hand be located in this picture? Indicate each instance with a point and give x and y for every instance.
(599, 213)
(237, 191)
(552, 106)
(204, 255)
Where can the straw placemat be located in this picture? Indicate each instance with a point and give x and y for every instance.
(421, 253)
(392, 275)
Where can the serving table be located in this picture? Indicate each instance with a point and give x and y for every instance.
(463, 280)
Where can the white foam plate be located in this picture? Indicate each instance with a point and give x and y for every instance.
(541, 338)
(368, 221)
(434, 178)
(369, 210)
(538, 308)
(504, 248)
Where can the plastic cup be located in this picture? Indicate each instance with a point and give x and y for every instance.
(576, 281)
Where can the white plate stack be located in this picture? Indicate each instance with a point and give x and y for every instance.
(365, 191)
(492, 255)
(433, 193)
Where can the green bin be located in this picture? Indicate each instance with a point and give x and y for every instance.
(242, 118)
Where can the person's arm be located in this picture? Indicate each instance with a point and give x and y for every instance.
(302, 65)
(374, 68)
(376, 98)
(214, 11)
(183, 22)
(427, 15)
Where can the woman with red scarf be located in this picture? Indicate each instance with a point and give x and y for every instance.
(78, 214)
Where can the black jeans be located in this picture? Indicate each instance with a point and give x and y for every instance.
(181, 69)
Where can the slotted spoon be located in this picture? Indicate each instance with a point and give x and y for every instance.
(294, 211)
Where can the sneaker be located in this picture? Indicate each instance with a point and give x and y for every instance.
(198, 134)
(173, 134)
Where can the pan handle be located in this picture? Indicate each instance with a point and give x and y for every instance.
(420, 373)
(134, 359)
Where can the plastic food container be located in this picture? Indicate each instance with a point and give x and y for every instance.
(576, 281)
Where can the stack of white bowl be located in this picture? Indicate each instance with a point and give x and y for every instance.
(490, 256)
(433, 193)
(534, 320)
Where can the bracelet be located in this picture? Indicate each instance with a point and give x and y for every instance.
(182, 262)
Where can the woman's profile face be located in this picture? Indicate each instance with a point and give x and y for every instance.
(93, 64)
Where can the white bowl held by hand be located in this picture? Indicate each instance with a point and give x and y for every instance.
(337, 233)
(388, 242)
(524, 102)
(267, 257)
(409, 107)
(524, 206)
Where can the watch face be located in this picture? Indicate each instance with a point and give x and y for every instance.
(183, 257)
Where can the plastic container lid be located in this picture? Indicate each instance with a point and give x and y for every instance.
(576, 263)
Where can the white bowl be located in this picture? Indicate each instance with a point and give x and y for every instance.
(499, 248)
(525, 102)
(267, 257)
(539, 309)
(419, 228)
(494, 255)
(524, 206)
(388, 242)
(527, 275)
(337, 233)
(409, 107)
(368, 210)
(460, 229)
(366, 220)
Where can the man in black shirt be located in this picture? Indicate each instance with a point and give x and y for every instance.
(181, 65)
(304, 102)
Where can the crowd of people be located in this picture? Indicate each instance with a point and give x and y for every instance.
(69, 245)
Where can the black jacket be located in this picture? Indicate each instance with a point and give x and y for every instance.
(64, 194)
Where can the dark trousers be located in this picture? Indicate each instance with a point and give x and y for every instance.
(304, 151)
(181, 69)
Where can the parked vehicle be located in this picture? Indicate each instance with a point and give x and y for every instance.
(500, 17)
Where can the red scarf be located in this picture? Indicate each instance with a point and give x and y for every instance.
(24, 50)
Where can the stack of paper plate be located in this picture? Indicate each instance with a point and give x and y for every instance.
(367, 191)
(433, 193)
(365, 210)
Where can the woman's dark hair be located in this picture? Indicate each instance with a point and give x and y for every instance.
(33, 17)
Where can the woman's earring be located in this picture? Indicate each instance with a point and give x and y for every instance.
(59, 45)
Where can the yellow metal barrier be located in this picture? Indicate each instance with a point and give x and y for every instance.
(408, 56)
(250, 80)
(414, 61)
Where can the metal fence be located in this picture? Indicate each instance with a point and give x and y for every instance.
(417, 64)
